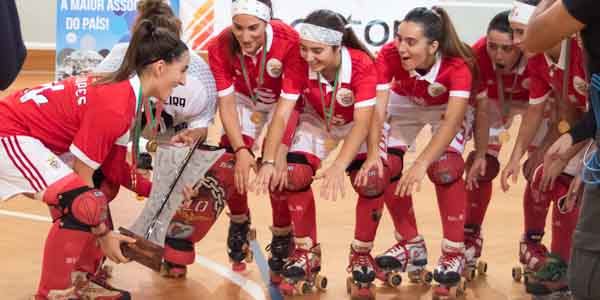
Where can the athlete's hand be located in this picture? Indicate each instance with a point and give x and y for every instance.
(189, 136)
(244, 162)
(110, 244)
(475, 170)
(510, 171)
(534, 160)
(279, 182)
(264, 177)
(567, 203)
(411, 181)
(362, 176)
(332, 182)
(552, 169)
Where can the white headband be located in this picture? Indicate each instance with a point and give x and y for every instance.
(320, 34)
(251, 7)
(521, 13)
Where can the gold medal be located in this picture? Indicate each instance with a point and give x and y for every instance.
(330, 144)
(139, 197)
(151, 146)
(256, 117)
(563, 127)
(504, 137)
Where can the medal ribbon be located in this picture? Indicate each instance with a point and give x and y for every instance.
(261, 72)
(328, 115)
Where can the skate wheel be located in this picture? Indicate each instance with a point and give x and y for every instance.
(321, 282)
(517, 273)
(426, 277)
(302, 288)
(238, 267)
(470, 274)
(482, 268)
(349, 284)
(394, 280)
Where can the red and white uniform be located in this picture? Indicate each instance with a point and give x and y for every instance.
(74, 115)
(417, 100)
(547, 79)
(516, 90)
(283, 53)
(357, 82)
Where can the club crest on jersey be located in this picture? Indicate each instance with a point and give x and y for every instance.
(580, 85)
(179, 230)
(53, 162)
(274, 67)
(345, 97)
(436, 89)
(526, 83)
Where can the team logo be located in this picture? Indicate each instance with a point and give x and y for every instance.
(436, 89)
(179, 230)
(274, 67)
(345, 97)
(526, 83)
(53, 162)
(580, 85)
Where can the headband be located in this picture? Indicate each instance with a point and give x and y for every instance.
(521, 13)
(320, 34)
(251, 7)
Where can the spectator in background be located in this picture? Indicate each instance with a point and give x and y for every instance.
(12, 48)
(561, 19)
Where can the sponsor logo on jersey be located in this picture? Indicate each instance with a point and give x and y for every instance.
(580, 85)
(526, 83)
(176, 101)
(345, 97)
(274, 67)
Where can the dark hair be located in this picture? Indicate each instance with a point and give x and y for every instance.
(335, 21)
(531, 2)
(234, 45)
(437, 26)
(148, 45)
(159, 13)
(500, 23)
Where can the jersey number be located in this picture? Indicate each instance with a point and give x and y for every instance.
(35, 94)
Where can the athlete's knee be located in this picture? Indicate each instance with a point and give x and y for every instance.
(492, 166)
(395, 162)
(300, 173)
(76, 203)
(447, 169)
(375, 185)
(222, 169)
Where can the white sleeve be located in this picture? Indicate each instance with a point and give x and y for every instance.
(113, 60)
(199, 110)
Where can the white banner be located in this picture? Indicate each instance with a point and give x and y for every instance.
(374, 24)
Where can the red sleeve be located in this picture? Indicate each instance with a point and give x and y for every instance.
(290, 128)
(364, 83)
(461, 82)
(220, 65)
(539, 87)
(98, 132)
(293, 69)
(116, 169)
(384, 68)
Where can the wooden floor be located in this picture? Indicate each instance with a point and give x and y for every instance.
(22, 239)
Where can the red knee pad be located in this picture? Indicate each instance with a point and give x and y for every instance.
(74, 199)
(492, 166)
(375, 186)
(447, 169)
(180, 252)
(300, 173)
(395, 162)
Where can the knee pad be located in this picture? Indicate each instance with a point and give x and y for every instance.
(300, 173)
(77, 204)
(447, 169)
(179, 251)
(395, 162)
(110, 189)
(222, 169)
(375, 186)
(492, 166)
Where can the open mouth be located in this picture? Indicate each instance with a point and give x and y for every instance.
(500, 66)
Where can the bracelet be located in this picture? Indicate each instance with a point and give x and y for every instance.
(240, 148)
(268, 162)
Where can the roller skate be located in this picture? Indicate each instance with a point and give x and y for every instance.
(172, 270)
(550, 281)
(449, 273)
(300, 274)
(86, 286)
(238, 242)
(408, 256)
(282, 244)
(532, 256)
(473, 246)
(363, 271)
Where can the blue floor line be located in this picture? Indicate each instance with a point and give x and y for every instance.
(263, 266)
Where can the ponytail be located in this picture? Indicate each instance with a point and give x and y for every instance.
(148, 45)
(159, 13)
(437, 26)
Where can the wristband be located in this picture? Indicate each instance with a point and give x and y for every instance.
(240, 148)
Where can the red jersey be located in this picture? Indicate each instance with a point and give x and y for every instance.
(356, 86)
(283, 51)
(547, 76)
(73, 115)
(449, 77)
(516, 83)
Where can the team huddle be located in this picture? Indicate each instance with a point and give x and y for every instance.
(309, 88)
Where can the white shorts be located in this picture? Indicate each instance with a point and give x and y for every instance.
(27, 166)
(311, 135)
(245, 109)
(407, 119)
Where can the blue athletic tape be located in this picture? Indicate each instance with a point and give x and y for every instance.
(265, 273)
(591, 170)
